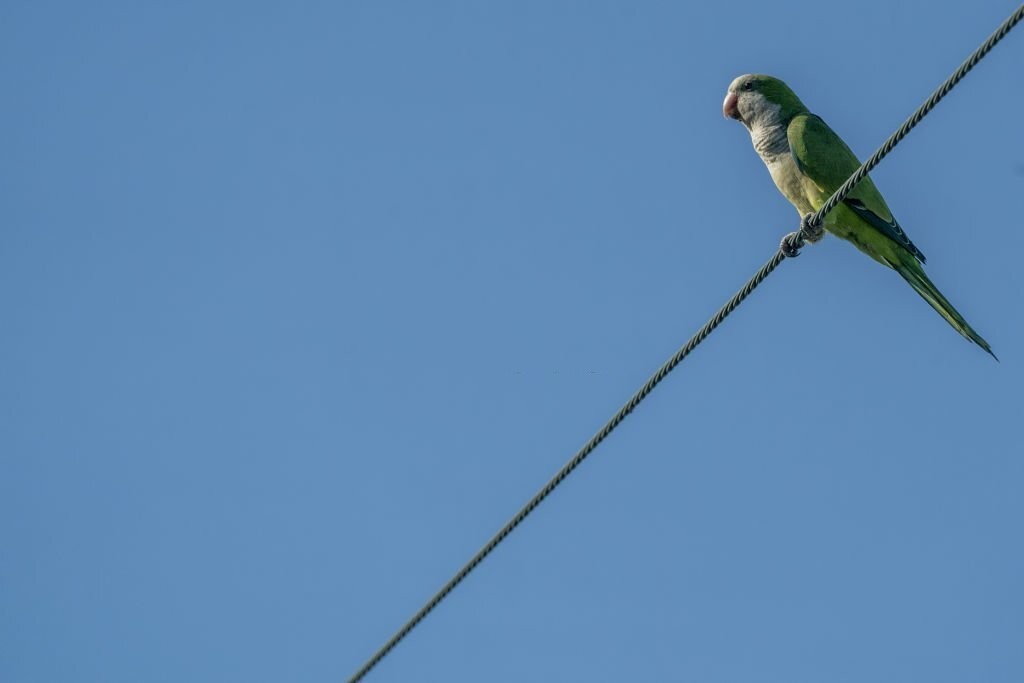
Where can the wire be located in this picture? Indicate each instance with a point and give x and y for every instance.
(580, 456)
(690, 345)
(908, 125)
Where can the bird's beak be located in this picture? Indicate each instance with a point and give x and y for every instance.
(730, 108)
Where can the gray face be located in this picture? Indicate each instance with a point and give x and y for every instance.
(748, 105)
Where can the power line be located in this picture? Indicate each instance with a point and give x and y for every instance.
(816, 218)
(791, 244)
(572, 464)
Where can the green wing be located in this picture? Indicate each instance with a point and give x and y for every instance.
(823, 157)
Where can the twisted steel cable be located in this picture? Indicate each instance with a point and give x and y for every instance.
(809, 223)
(580, 456)
(815, 219)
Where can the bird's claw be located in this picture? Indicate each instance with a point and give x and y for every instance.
(791, 244)
(812, 231)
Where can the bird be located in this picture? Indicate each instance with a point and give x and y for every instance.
(808, 162)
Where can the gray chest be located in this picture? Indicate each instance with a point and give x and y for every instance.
(789, 180)
(772, 146)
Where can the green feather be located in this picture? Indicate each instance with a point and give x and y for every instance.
(913, 273)
(825, 159)
(863, 217)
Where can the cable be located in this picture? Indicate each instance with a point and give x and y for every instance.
(816, 218)
(695, 340)
(572, 464)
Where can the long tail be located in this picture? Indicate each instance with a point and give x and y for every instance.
(914, 274)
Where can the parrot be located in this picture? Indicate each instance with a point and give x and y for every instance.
(808, 162)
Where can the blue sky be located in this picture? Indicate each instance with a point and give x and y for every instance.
(303, 300)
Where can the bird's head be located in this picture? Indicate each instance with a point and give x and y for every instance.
(756, 100)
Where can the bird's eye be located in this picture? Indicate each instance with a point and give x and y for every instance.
(749, 85)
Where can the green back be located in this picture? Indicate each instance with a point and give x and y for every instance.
(823, 157)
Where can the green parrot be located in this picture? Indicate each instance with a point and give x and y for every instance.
(808, 162)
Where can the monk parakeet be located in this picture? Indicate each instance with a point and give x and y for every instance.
(808, 162)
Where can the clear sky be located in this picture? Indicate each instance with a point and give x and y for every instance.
(301, 301)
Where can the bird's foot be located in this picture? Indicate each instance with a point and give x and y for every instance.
(791, 244)
(811, 231)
